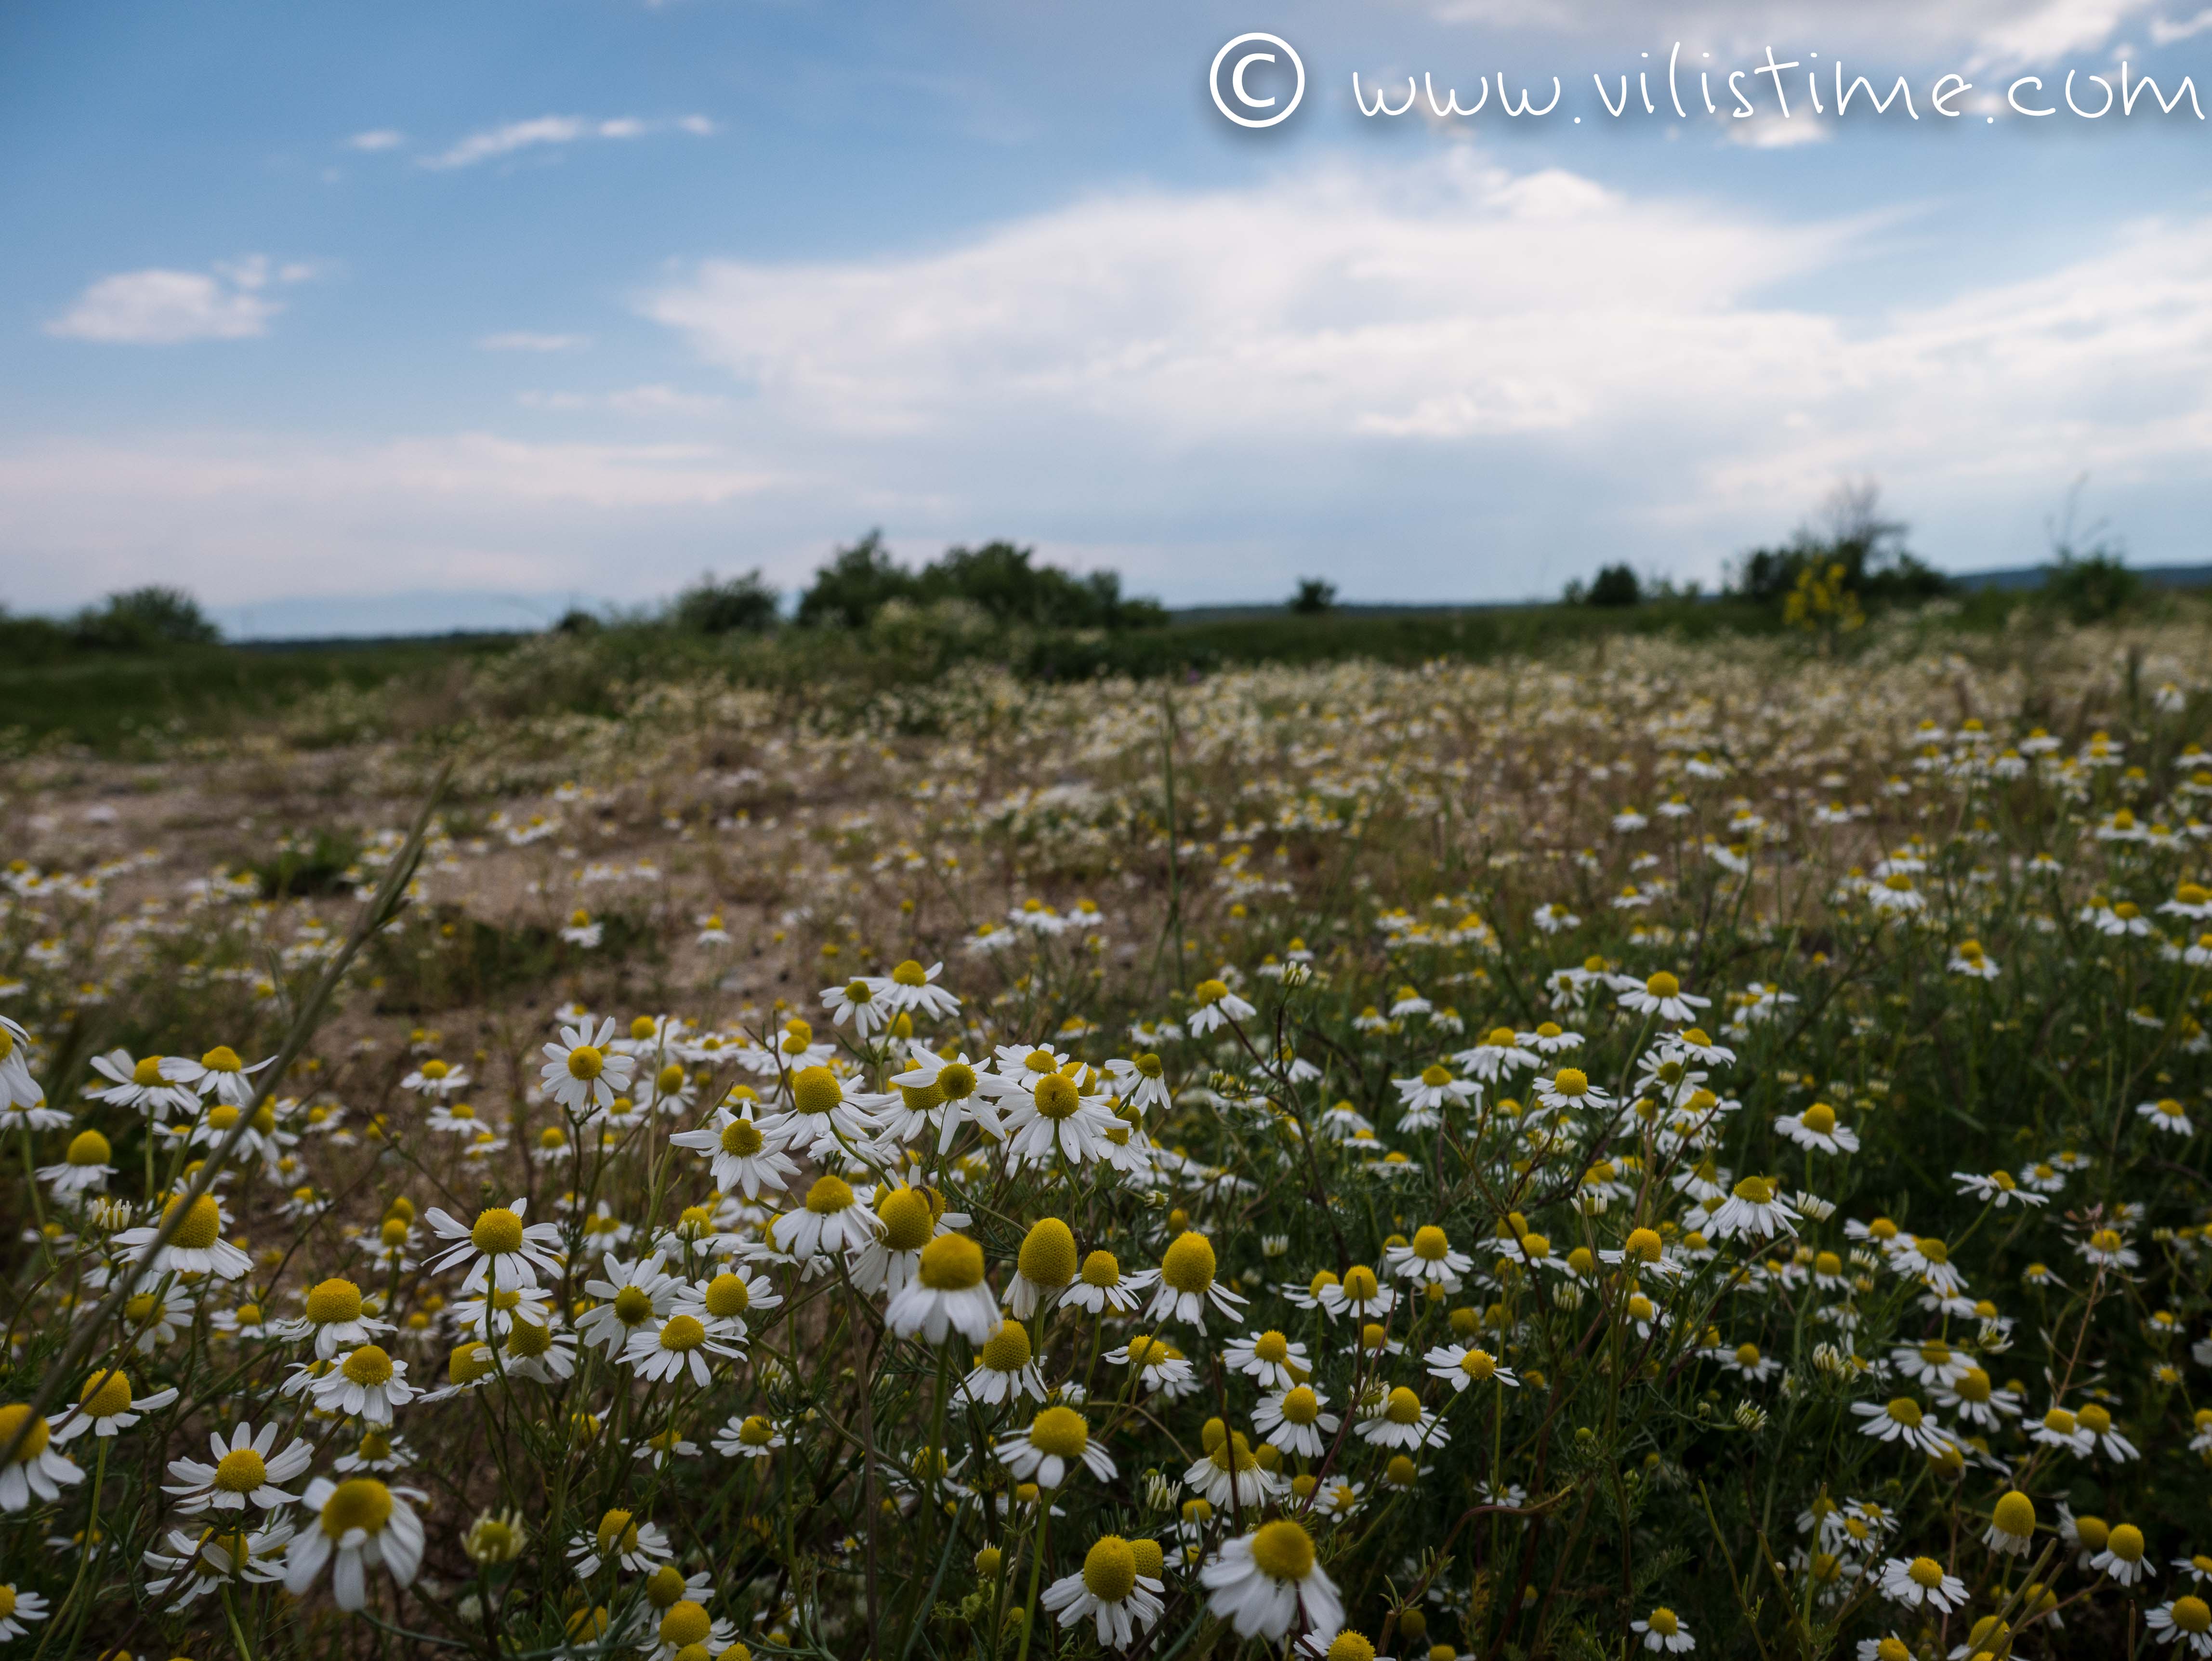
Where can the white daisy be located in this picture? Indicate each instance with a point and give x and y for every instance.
(363, 1525)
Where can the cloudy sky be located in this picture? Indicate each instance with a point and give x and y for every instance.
(358, 318)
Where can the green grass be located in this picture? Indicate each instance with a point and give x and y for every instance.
(109, 701)
(117, 702)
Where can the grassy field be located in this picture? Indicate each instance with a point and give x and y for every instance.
(1631, 1128)
(119, 703)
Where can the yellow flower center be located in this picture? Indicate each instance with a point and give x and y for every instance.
(1048, 1255)
(2014, 1514)
(332, 1301)
(1906, 1411)
(240, 1472)
(1571, 1082)
(89, 1147)
(1271, 1346)
(727, 1296)
(1007, 1350)
(1820, 1118)
(815, 1090)
(1300, 1406)
(1282, 1550)
(587, 1062)
(368, 1366)
(1360, 1284)
(106, 1394)
(1403, 1407)
(742, 1138)
(1109, 1569)
(1755, 1189)
(361, 1502)
(681, 1333)
(956, 1081)
(146, 1074)
(951, 1263)
(910, 973)
(907, 1219)
(617, 1532)
(1061, 1433)
(1101, 1268)
(498, 1231)
(828, 1196)
(1926, 1572)
(1188, 1263)
(202, 1224)
(2126, 1543)
(1057, 1097)
(685, 1623)
(2192, 1614)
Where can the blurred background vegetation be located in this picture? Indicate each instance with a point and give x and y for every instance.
(146, 669)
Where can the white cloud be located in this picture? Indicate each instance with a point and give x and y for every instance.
(160, 307)
(638, 401)
(1448, 379)
(544, 131)
(2163, 33)
(1773, 132)
(523, 340)
(1990, 33)
(380, 138)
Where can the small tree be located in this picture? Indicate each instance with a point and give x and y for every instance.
(736, 605)
(142, 619)
(2089, 576)
(855, 584)
(1616, 584)
(1314, 596)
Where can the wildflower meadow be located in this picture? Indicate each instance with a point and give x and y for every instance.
(1658, 1148)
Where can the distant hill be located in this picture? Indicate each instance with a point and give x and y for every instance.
(2019, 577)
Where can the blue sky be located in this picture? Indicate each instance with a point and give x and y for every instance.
(414, 316)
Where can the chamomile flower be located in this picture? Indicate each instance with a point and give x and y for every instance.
(500, 1249)
(1429, 1260)
(1119, 1589)
(1275, 1361)
(1228, 1475)
(1141, 1082)
(1816, 1128)
(749, 1436)
(942, 1091)
(2168, 1115)
(1186, 1284)
(1056, 1442)
(84, 1169)
(632, 1295)
(2122, 1561)
(831, 1222)
(1100, 1289)
(1902, 1420)
(948, 1294)
(1754, 1209)
(1004, 1370)
(582, 1069)
(664, 1349)
(741, 1157)
(1662, 1629)
(247, 1472)
(829, 1120)
(1422, 1098)
(865, 1000)
(913, 990)
(1214, 1006)
(2186, 1620)
(1661, 996)
(220, 1073)
(1057, 1118)
(1402, 1421)
(367, 1385)
(621, 1540)
(1293, 1421)
(1922, 1581)
(359, 1525)
(1268, 1583)
(141, 1085)
(106, 1406)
